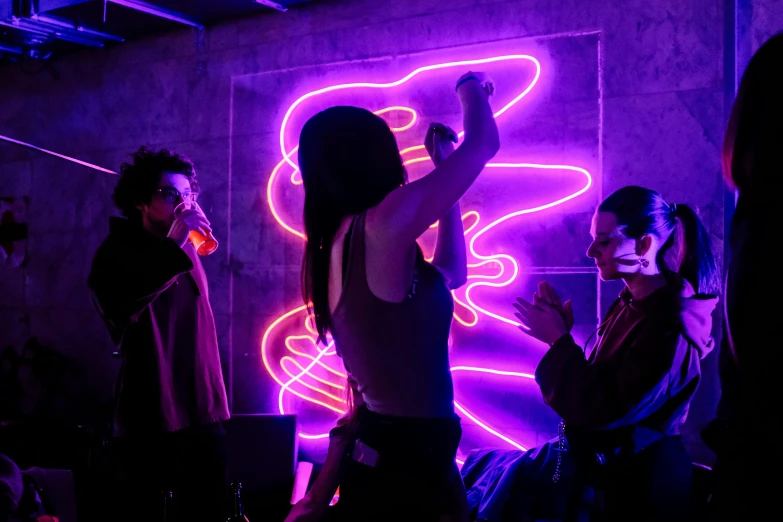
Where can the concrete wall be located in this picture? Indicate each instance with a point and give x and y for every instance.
(655, 114)
(757, 21)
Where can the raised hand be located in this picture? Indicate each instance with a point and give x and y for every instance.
(483, 79)
(186, 218)
(439, 142)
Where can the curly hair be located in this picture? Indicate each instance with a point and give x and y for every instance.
(139, 179)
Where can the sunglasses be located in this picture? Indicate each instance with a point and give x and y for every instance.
(172, 195)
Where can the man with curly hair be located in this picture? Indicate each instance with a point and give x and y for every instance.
(150, 288)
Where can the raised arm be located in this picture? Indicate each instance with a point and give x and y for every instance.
(407, 212)
(450, 256)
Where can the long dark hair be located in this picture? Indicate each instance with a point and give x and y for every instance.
(642, 211)
(754, 135)
(350, 162)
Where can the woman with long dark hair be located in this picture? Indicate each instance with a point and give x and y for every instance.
(623, 403)
(751, 405)
(388, 311)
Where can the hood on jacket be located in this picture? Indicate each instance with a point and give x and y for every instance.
(696, 316)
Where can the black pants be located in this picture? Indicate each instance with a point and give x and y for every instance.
(191, 463)
(414, 479)
(653, 485)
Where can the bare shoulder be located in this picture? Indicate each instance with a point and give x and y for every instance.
(378, 243)
(389, 266)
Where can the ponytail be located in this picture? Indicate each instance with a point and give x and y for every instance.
(643, 211)
(695, 262)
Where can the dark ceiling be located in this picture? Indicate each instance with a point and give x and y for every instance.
(35, 31)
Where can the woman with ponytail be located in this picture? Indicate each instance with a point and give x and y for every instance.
(623, 402)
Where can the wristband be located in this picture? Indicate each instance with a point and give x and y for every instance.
(464, 80)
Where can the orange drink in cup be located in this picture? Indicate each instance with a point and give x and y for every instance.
(204, 244)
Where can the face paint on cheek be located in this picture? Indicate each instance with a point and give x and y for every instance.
(607, 260)
(624, 258)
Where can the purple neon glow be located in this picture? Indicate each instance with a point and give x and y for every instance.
(457, 405)
(497, 257)
(494, 59)
(280, 396)
(504, 276)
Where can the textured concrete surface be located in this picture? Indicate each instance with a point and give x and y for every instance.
(652, 83)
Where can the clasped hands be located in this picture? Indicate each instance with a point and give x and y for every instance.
(547, 318)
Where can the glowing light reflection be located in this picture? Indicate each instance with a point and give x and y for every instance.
(501, 275)
(344, 86)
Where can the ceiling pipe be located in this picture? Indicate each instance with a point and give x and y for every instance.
(273, 5)
(10, 49)
(65, 24)
(57, 32)
(14, 24)
(144, 7)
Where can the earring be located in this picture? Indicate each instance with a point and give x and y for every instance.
(643, 262)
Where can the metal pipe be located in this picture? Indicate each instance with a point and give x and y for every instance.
(78, 40)
(99, 34)
(59, 33)
(66, 24)
(16, 26)
(273, 5)
(144, 7)
(10, 49)
(28, 25)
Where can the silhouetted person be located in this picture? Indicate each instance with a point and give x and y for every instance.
(745, 434)
(387, 309)
(151, 290)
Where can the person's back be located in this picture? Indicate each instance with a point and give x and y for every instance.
(388, 311)
(396, 351)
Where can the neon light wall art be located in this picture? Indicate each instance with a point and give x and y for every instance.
(523, 189)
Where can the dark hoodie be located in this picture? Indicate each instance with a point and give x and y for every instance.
(153, 296)
(643, 371)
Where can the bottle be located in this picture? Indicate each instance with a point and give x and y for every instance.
(167, 512)
(238, 511)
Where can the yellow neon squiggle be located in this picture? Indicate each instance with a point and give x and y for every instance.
(291, 349)
(369, 85)
(312, 376)
(495, 280)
